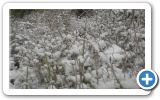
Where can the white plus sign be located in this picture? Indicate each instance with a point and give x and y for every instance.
(147, 79)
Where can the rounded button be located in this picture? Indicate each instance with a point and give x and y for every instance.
(147, 79)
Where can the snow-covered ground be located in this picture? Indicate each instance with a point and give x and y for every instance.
(55, 49)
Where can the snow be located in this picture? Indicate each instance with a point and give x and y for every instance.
(88, 62)
(48, 53)
(68, 66)
(95, 46)
(71, 78)
(113, 49)
(114, 52)
(34, 60)
(14, 74)
(130, 84)
(56, 50)
(108, 85)
(69, 37)
(102, 44)
(81, 59)
(103, 57)
(88, 76)
(57, 54)
(74, 49)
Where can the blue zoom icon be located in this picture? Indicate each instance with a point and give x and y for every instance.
(147, 79)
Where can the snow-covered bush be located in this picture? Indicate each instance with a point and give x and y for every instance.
(53, 49)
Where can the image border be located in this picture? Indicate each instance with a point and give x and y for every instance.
(5, 44)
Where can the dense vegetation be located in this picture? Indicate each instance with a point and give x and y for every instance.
(76, 48)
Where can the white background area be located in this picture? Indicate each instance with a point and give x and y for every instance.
(155, 54)
(8, 6)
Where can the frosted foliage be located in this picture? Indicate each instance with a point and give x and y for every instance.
(76, 49)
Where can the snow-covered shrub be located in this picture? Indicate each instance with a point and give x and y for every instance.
(51, 49)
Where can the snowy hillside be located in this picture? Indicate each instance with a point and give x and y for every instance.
(76, 49)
